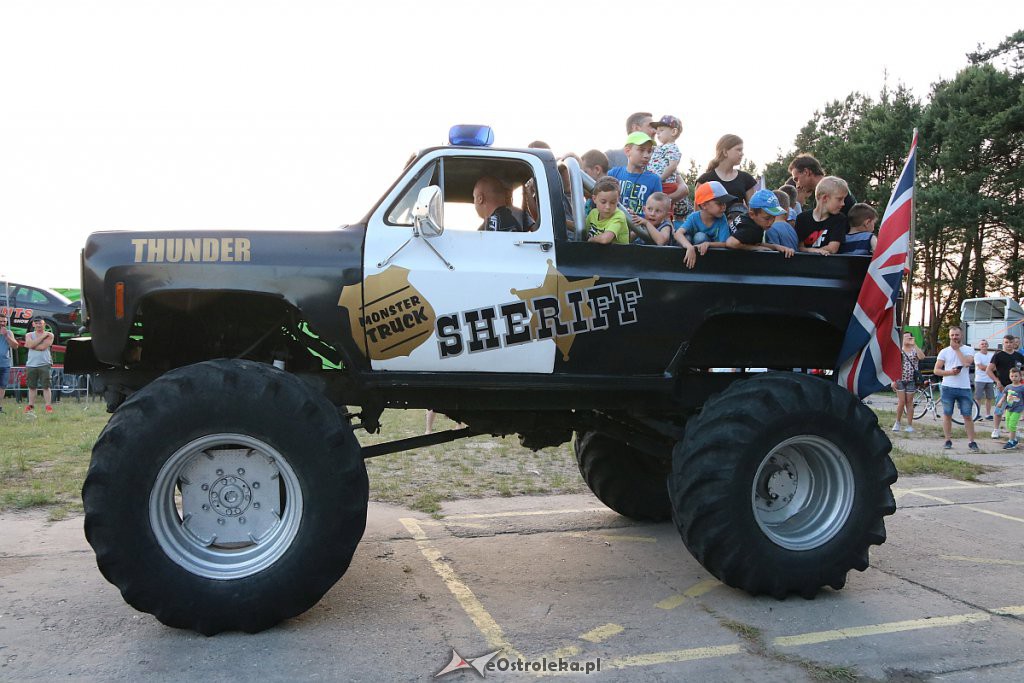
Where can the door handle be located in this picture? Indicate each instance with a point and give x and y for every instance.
(544, 246)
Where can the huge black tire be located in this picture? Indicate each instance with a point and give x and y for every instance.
(627, 480)
(225, 496)
(781, 485)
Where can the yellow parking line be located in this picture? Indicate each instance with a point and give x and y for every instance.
(1014, 611)
(602, 633)
(693, 591)
(673, 656)
(444, 522)
(527, 513)
(969, 507)
(879, 629)
(470, 603)
(613, 537)
(981, 560)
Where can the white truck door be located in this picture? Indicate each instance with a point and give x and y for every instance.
(457, 301)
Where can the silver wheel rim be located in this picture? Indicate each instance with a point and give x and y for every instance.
(225, 506)
(803, 492)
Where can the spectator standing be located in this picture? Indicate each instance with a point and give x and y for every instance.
(953, 366)
(860, 239)
(636, 183)
(639, 122)
(7, 346)
(725, 169)
(806, 173)
(39, 363)
(781, 231)
(906, 385)
(822, 230)
(999, 368)
(1013, 404)
(665, 163)
(984, 386)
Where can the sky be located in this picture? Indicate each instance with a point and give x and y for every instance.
(298, 115)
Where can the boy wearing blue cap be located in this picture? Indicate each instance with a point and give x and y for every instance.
(747, 230)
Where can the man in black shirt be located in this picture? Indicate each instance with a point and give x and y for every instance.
(807, 172)
(999, 370)
(492, 200)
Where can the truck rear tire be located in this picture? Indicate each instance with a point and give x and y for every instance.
(225, 496)
(781, 485)
(627, 480)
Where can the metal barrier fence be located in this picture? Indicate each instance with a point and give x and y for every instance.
(62, 385)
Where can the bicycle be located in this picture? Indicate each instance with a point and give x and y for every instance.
(924, 400)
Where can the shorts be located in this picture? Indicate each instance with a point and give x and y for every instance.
(983, 390)
(5, 375)
(961, 397)
(999, 409)
(907, 387)
(1011, 422)
(38, 377)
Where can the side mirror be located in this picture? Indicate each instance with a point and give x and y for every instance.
(428, 212)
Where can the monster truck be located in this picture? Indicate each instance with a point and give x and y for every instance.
(229, 492)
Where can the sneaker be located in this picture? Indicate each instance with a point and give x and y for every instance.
(973, 447)
(988, 417)
(995, 433)
(49, 409)
(29, 409)
(896, 426)
(1009, 445)
(948, 445)
(908, 428)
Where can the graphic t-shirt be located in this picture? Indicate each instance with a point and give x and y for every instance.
(1015, 398)
(812, 233)
(746, 230)
(661, 157)
(635, 188)
(616, 224)
(718, 231)
(502, 220)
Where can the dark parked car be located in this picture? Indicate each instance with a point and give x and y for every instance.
(20, 303)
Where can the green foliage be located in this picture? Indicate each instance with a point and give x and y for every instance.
(970, 174)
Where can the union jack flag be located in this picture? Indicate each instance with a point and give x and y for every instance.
(870, 357)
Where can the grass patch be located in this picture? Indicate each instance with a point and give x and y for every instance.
(915, 463)
(44, 457)
(745, 631)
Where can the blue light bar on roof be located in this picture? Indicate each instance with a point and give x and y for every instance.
(467, 135)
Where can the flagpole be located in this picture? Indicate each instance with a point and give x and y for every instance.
(908, 301)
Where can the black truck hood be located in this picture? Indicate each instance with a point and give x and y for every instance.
(306, 268)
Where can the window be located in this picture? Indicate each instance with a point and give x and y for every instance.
(457, 177)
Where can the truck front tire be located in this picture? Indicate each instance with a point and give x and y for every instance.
(781, 485)
(627, 480)
(225, 495)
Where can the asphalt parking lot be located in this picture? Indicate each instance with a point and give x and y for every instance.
(548, 577)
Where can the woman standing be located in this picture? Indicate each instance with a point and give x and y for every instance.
(906, 385)
(725, 169)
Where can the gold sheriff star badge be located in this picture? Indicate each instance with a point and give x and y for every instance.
(556, 285)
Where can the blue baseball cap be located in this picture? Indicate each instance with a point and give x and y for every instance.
(766, 201)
